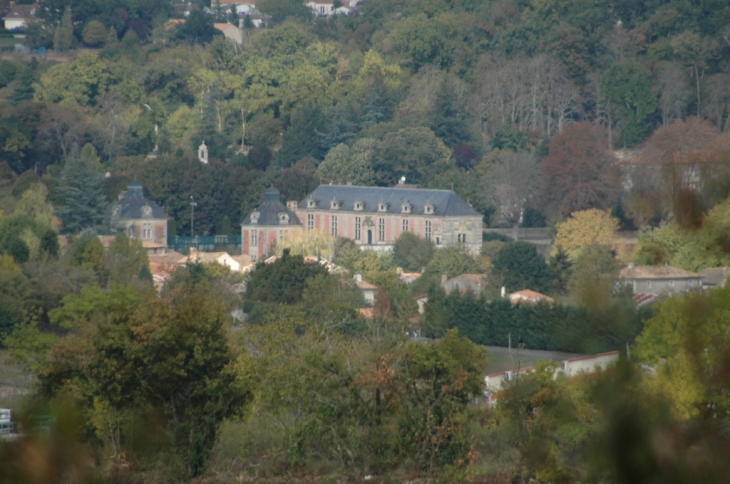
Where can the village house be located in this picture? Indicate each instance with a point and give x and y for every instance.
(496, 383)
(372, 217)
(529, 296)
(714, 276)
(19, 16)
(660, 280)
(139, 217)
(230, 32)
(367, 289)
(321, 7)
(473, 283)
(222, 258)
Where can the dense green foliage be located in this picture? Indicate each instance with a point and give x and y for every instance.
(402, 89)
(544, 326)
(284, 280)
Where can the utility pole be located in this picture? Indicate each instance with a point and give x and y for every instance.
(192, 216)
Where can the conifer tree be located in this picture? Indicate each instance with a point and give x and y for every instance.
(448, 121)
(81, 193)
(24, 89)
(64, 36)
(301, 138)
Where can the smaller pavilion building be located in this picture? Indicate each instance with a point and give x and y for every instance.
(139, 217)
(267, 224)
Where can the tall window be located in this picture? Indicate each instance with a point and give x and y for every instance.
(357, 228)
(461, 238)
(428, 230)
(147, 231)
(310, 221)
(381, 229)
(254, 238)
(405, 225)
(333, 227)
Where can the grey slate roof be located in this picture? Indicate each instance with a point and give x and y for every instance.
(132, 205)
(268, 212)
(444, 202)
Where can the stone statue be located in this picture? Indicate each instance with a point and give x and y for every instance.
(203, 153)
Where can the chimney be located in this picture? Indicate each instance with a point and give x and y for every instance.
(443, 279)
(503, 291)
(292, 205)
(358, 277)
(193, 254)
(631, 265)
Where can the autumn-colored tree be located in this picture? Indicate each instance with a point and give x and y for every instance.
(579, 173)
(583, 229)
(677, 160)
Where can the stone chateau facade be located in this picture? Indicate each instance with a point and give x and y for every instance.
(372, 217)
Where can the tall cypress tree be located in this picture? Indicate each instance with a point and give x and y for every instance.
(64, 36)
(81, 193)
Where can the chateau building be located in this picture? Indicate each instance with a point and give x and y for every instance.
(139, 217)
(267, 224)
(372, 217)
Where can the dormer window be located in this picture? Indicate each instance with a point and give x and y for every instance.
(358, 205)
(382, 206)
(334, 204)
(406, 207)
(428, 209)
(146, 211)
(311, 203)
(254, 216)
(283, 218)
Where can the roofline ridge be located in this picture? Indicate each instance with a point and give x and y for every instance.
(382, 188)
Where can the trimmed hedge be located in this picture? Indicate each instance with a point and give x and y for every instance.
(541, 326)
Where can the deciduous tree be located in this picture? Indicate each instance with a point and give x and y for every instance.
(412, 252)
(512, 183)
(579, 173)
(583, 229)
(344, 164)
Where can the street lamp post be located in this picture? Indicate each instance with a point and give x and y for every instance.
(192, 216)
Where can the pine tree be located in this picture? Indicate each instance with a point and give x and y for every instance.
(24, 89)
(112, 37)
(301, 139)
(339, 127)
(82, 194)
(448, 121)
(233, 16)
(373, 112)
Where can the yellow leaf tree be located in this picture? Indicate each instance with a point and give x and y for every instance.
(583, 229)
